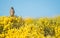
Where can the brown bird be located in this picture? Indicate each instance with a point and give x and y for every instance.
(12, 11)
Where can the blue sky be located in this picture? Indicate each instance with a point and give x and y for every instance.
(30, 8)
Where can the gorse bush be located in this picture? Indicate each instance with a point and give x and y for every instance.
(18, 27)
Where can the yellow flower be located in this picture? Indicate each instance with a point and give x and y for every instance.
(28, 20)
(29, 27)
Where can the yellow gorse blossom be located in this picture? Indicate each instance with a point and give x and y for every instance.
(17, 27)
